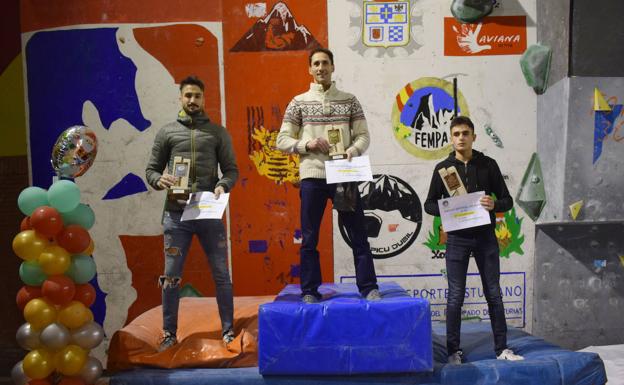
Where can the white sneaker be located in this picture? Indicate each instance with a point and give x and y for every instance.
(509, 355)
(373, 295)
(455, 358)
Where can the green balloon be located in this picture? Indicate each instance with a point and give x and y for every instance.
(82, 215)
(82, 269)
(30, 198)
(31, 274)
(64, 196)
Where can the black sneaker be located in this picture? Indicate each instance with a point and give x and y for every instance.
(168, 340)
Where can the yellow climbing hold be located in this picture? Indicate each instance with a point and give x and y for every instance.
(600, 104)
(575, 208)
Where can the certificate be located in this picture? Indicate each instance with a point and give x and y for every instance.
(463, 211)
(203, 205)
(342, 170)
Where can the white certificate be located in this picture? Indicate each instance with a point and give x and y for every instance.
(203, 205)
(342, 170)
(463, 211)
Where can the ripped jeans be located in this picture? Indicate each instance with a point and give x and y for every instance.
(178, 236)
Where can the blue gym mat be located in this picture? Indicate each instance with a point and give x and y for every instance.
(544, 364)
(344, 334)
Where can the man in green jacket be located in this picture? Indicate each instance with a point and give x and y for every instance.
(208, 146)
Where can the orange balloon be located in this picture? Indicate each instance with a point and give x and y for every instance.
(43, 381)
(88, 250)
(70, 360)
(86, 294)
(54, 260)
(28, 245)
(25, 294)
(59, 289)
(46, 221)
(38, 364)
(72, 381)
(74, 239)
(39, 313)
(25, 224)
(74, 315)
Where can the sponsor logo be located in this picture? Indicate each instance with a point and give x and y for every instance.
(393, 215)
(494, 35)
(386, 24)
(422, 114)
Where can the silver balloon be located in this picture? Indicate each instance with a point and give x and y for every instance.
(54, 336)
(27, 337)
(18, 376)
(91, 371)
(88, 336)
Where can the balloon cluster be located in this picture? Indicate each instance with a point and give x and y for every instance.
(56, 248)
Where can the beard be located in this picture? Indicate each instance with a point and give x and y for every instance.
(192, 112)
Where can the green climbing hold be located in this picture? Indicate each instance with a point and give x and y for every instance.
(535, 64)
(470, 11)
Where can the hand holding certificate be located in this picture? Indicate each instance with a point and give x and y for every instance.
(203, 205)
(356, 170)
(463, 211)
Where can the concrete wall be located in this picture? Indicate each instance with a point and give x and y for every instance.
(578, 261)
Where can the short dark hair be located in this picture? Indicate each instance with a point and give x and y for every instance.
(462, 120)
(192, 80)
(323, 50)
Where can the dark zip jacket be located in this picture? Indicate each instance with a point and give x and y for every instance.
(207, 145)
(481, 173)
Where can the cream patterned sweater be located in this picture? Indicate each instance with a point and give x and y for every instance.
(307, 117)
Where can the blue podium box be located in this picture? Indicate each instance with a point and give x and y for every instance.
(344, 333)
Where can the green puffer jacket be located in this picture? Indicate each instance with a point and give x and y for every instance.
(206, 144)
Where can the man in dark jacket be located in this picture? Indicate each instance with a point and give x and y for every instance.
(208, 146)
(478, 172)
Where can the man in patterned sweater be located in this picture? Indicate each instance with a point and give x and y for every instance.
(306, 120)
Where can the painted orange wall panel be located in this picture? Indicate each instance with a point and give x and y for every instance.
(37, 15)
(264, 214)
(140, 252)
(200, 46)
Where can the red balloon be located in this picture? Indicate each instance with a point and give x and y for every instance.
(72, 381)
(86, 294)
(59, 289)
(74, 239)
(25, 294)
(25, 225)
(46, 221)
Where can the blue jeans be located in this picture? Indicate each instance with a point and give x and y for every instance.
(178, 236)
(483, 245)
(314, 194)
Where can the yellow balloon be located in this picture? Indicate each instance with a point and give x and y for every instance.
(89, 250)
(74, 315)
(28, 245)
(54, 260)
(38, 364)
(70, 360)
(39, 313)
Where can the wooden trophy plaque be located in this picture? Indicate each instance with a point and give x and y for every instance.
(452, 181)
(181, 170)
(336, 143)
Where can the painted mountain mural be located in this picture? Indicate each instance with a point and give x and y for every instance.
(278, 31)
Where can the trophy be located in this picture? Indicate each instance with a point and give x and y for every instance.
(336, 145)
(181, 169)
(452, 181)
